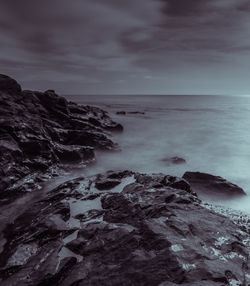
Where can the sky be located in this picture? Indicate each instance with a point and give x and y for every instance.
(127, 46)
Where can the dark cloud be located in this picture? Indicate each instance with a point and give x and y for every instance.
(116, 45)
(243, 6)
(183, 8)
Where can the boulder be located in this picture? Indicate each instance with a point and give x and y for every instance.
(206, 185)
(174, 160)
(106, 183)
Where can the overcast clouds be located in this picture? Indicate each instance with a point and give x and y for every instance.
(132, 46)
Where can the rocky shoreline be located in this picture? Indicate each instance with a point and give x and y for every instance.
(115, 228)
(39, 131)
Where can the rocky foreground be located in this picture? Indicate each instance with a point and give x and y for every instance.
(116, 228)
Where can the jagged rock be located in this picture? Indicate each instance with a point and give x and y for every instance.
(207, 185)
(111, 179)
(160, 180)
(9, 85)
(39, 130)
(118, 174)
(178, 183)
(93, 139)
(74, 153)
(106, 184)
(143, 235)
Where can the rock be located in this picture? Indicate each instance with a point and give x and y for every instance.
(118, 174)
(94, 139)
(129, 112)
(111, 126)
(40, 130)
(178, 183)
(144, 235)
(106, 184)
(74, 154)
(115, 127)
(121, 112)
(161, 180)
(111, 179)
(64, 267)
(207, 185)
(174, 160)
(9, 85)
(136, 112)
(150, 230)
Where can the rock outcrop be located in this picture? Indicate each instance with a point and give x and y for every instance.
(140, 232)
(41, 130)
(115, 228)
(210, 186)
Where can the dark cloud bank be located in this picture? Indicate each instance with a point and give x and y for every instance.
(132, 46)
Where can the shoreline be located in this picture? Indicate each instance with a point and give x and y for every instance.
(117, 227)
(240, 218)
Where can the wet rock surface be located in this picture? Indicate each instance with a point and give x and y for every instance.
(40, 130)
(207, 185)
(143, 231)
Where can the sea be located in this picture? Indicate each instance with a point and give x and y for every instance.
(212, 133)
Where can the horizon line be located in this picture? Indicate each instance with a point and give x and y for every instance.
(160, 94)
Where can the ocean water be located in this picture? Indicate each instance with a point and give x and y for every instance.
(210, 132)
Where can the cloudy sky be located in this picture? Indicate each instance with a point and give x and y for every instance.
(127, 46)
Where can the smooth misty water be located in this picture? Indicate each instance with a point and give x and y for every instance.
(210, 132)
